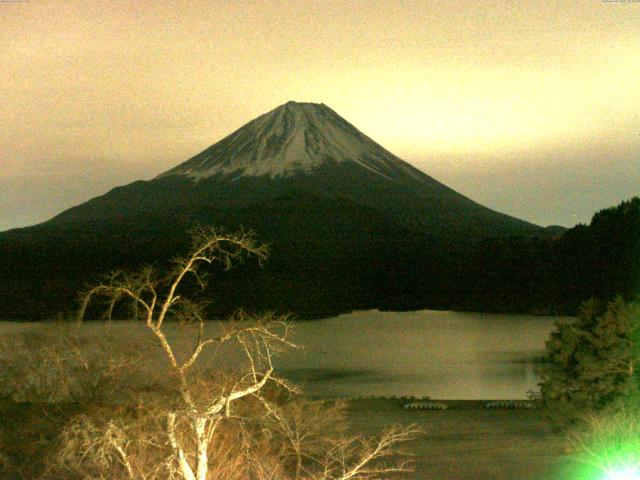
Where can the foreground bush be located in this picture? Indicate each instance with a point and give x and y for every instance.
(64, 362)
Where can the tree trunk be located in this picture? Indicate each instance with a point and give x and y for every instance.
(185, 468)
(201, 452)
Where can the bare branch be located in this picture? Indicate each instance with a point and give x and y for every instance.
(194, 356)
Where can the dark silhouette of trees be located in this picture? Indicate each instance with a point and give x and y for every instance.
(359, 263)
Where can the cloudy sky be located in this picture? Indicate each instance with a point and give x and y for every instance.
(530, 107)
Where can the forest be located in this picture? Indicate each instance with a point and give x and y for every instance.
(318, 275)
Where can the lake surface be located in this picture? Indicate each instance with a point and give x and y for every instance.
(444, 355)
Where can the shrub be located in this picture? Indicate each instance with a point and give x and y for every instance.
(63, 362)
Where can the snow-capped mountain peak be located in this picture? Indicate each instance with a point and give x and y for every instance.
(291, 139)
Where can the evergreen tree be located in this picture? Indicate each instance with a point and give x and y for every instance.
(592, 362)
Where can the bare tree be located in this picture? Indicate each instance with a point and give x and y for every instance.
(207, 409)
(315, 437)
(157, 298)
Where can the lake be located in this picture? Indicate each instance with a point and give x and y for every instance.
(440, 354)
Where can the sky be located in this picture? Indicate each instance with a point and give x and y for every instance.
(529, 107)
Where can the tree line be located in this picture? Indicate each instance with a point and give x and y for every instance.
(327, 273)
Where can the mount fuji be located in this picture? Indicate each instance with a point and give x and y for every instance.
(350, 224)
(294, 153)
(295, 138)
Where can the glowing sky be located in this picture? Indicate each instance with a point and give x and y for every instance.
(528, 107)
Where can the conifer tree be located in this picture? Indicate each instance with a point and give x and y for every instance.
(593, 362)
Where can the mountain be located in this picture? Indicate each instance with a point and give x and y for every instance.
(298, 151)
(295, 138)
(350, 224)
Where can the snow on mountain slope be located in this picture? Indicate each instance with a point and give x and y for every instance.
(291, 139)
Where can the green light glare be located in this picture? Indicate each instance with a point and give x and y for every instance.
(611, 462)
(628, 472)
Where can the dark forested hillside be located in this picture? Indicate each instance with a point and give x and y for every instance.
(355, 266)
(556, 274)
